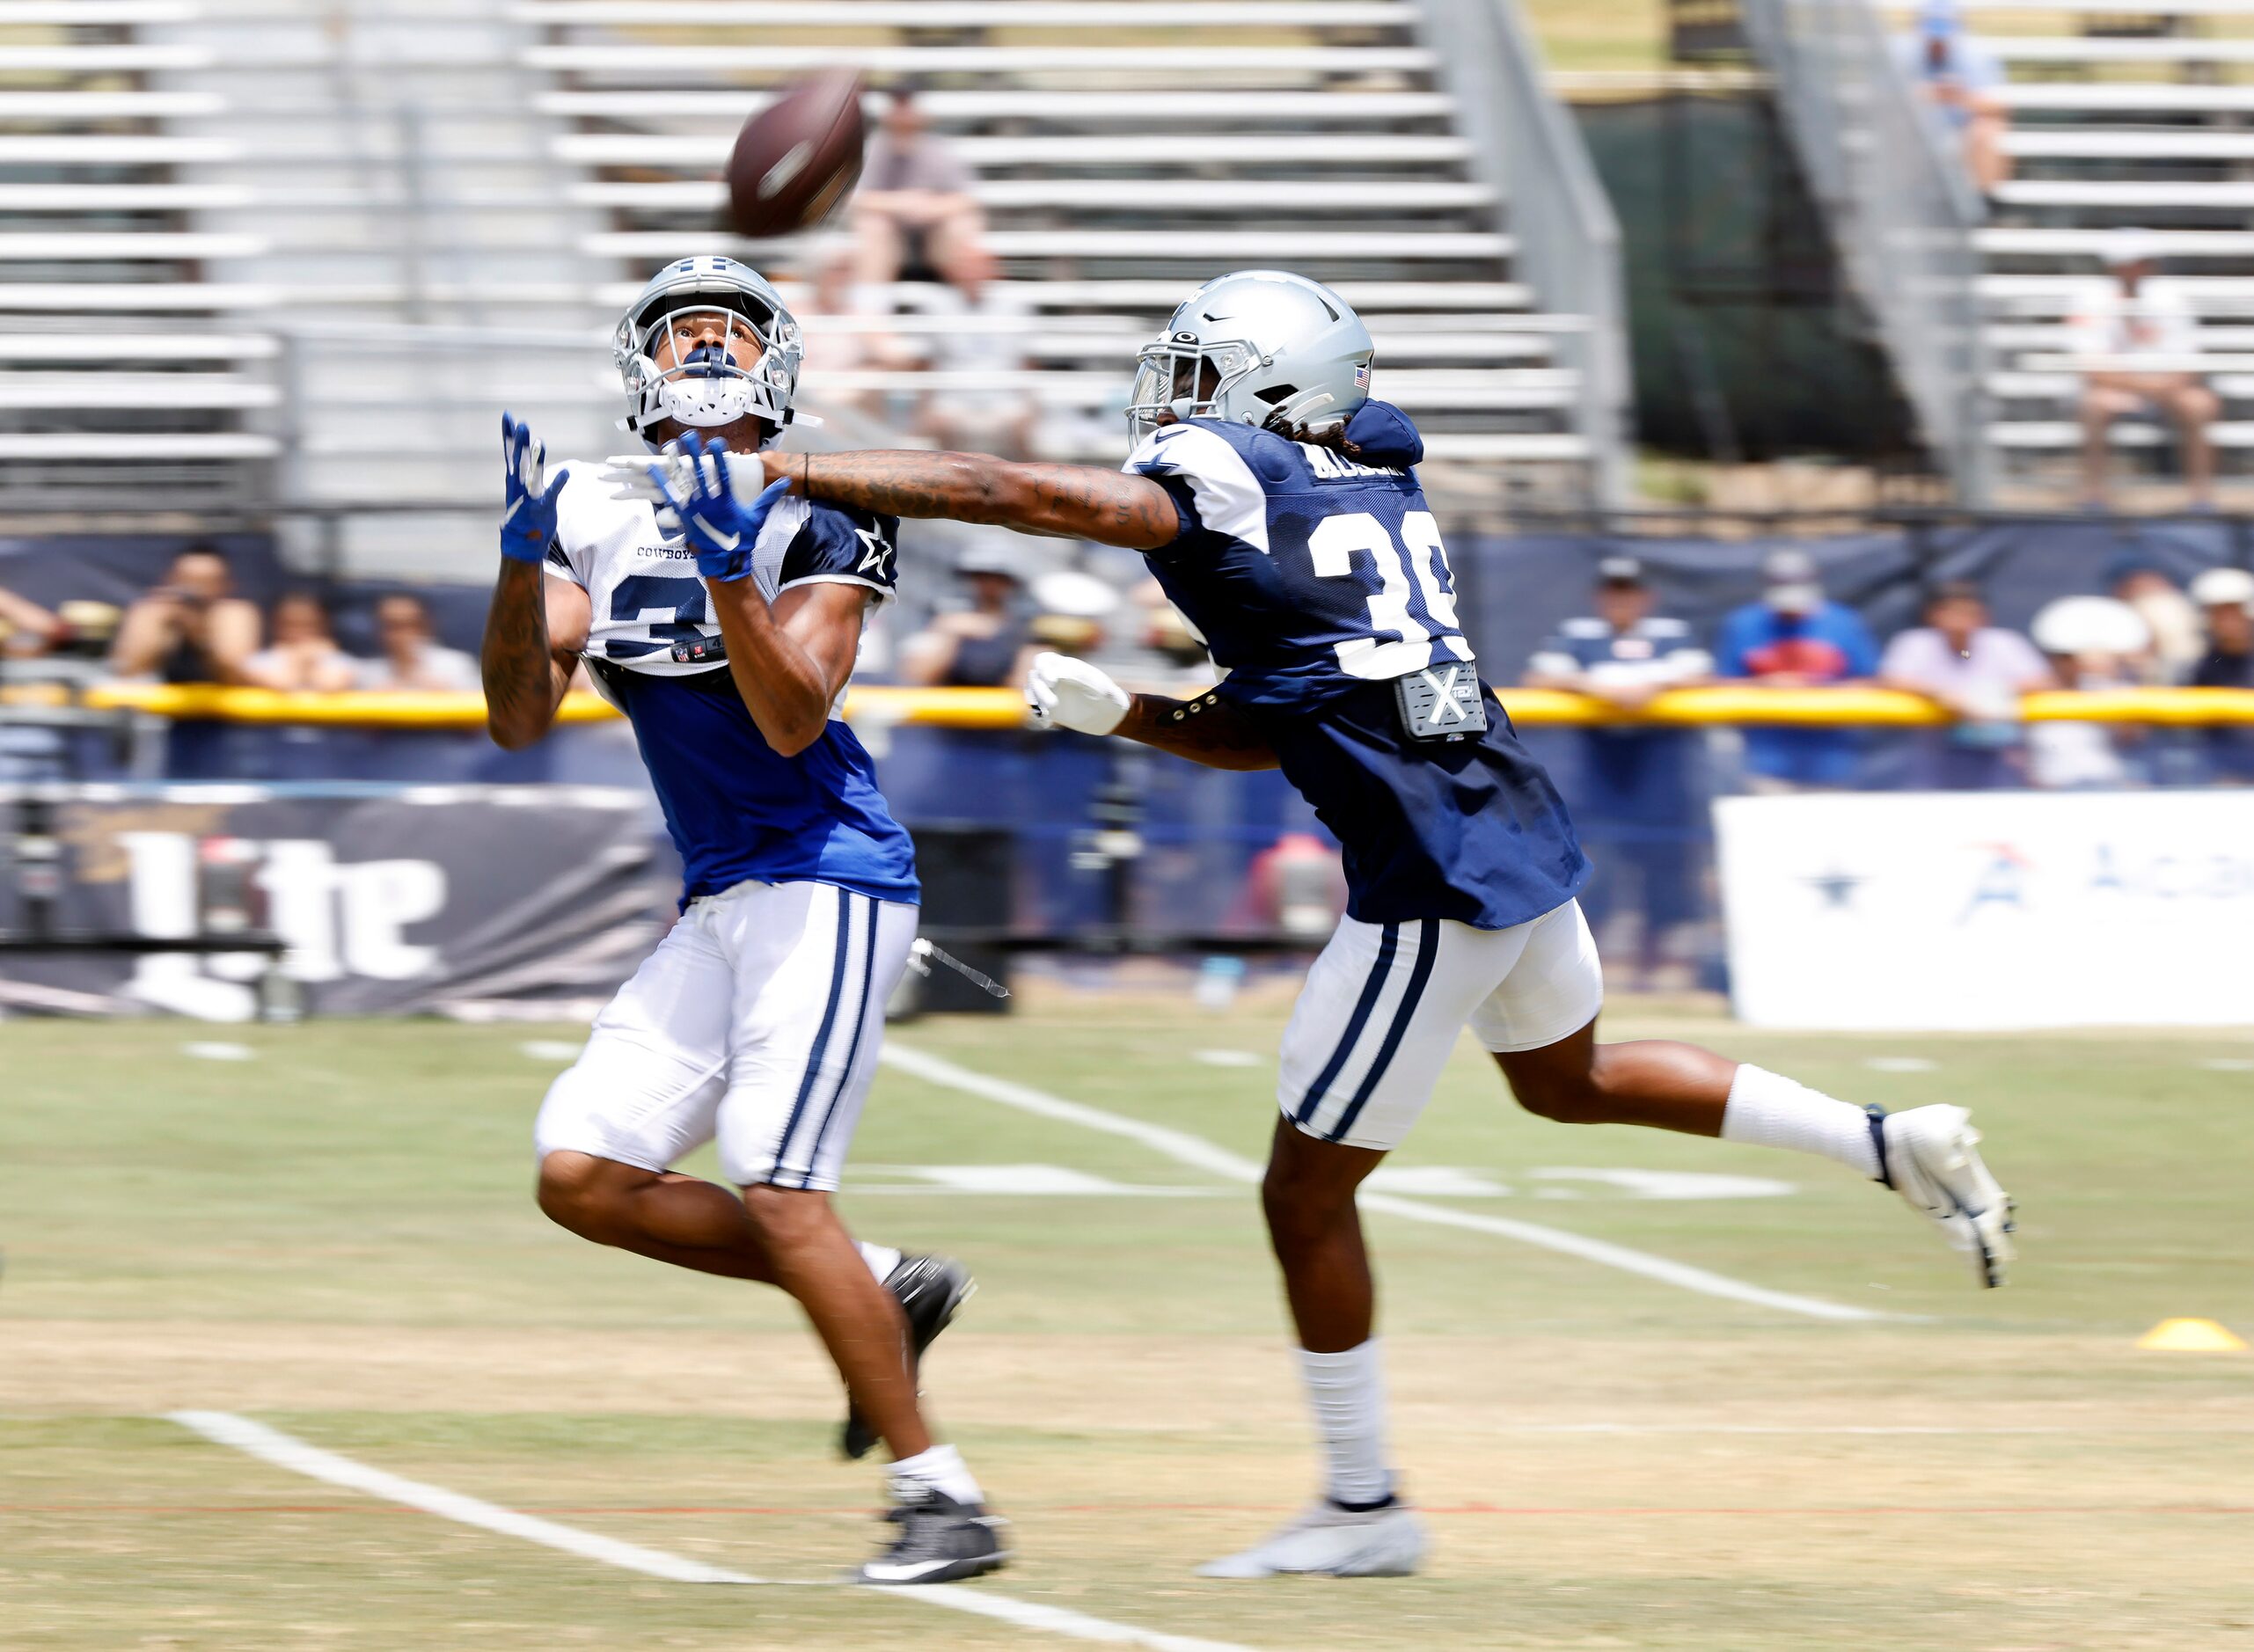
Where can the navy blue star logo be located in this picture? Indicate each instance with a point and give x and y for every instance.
(1838, 889)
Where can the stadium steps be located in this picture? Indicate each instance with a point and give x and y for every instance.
(95, 360)
(2120, 117)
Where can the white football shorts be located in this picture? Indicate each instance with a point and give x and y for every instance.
(1382, 1006)
(756, 1022)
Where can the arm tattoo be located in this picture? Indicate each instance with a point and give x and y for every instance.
(1076, 501)
(1206, 730)
(518, 669)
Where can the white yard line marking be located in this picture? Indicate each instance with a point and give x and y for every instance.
(1876, 1429)
(287, 1451)
(1178, 1145)
(1204, 1155)
(219, 1052)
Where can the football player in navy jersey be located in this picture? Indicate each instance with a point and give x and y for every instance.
(725, 631)
(1278, 506)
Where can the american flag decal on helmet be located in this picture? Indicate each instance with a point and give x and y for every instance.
(1361, 376)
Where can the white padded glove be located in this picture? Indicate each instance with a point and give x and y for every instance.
(1068, 693)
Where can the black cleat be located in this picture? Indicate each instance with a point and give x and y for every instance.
(939, 1541)
(929, 1290)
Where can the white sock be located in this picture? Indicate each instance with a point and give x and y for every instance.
(1773, 1111)
(1348, 1394)
(881, 1259)
(941, 1468)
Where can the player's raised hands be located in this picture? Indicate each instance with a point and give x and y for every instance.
(692, 480)
(528, 517)
(1068, 693)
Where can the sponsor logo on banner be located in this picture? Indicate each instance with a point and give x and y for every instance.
(402, 899)
(1989, 909)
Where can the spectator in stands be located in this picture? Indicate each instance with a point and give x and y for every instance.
(2170, 618)
(1172, 659)
(981, 646)
(1794, 638)
(193, 628)
(2135, 316)
(304, 657)
(1962, 80)
(1071, 609)
(2093, 643)
(1635, 804)
(2226, 597)
(1976, 670)
(413, 659)
(983, 341)
(851, 342)
(27, 629)
(914, 210)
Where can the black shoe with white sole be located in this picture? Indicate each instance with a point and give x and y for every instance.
(929, 1290)
(938, 1540)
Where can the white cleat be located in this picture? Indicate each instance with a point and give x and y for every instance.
(1334, 1542)
(1932, 1157)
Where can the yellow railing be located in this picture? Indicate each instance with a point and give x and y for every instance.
(1005, 708)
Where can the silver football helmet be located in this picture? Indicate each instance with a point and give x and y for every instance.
(1286, 354)
(706, 342)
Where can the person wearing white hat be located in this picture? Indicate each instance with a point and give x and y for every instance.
(977, 647)
(2092, 642)
(2226, 601)
(2135, 316)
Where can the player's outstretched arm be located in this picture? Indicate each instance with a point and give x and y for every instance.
(534, 631)
(1067, 693)
(537, 624)
(1071, 502)
(790, 658)
(1205, 730)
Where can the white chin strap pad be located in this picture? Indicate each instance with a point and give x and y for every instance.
(703, 403)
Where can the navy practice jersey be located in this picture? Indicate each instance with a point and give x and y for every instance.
(1317, 580)
(737, 807)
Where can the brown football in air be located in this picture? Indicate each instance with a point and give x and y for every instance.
(797, 159)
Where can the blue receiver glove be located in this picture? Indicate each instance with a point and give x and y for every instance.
(528, 525)
(720, 528)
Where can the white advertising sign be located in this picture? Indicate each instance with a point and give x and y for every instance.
(1987, 910)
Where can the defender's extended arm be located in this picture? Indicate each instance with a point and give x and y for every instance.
(1205, 730)
(1067, 693)
(1073, 501)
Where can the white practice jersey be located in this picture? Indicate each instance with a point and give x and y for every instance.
(650, 609)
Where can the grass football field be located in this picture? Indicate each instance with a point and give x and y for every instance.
(328, 1230)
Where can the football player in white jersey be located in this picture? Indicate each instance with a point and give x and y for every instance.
(726, 633)
(1277, 504)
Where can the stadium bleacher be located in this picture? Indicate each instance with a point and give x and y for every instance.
(2121, 116)
(282, 234)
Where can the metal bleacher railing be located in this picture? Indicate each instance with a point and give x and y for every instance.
(2120, 116)
(1526, 145)
(1901, 211)
(1004, 708)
